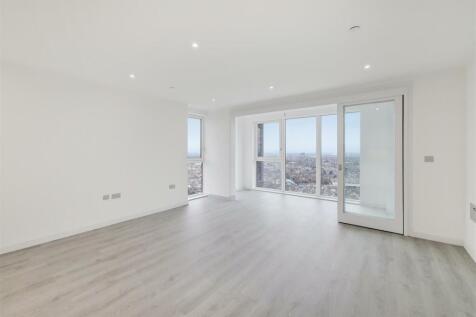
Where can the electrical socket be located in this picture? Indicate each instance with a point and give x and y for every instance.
(105, 197)
(116, 196)
(428, 158)
(472, 211)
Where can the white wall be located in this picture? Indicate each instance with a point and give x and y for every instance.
(65, 143)
(470, 226)
(438, 122)
(470, 113)
(244, 153)
(218, 173)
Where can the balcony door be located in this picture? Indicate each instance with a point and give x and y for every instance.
(370, 164)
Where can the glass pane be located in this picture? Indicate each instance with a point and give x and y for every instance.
(301, 155)
(195, 178)
(268, 175)
(268, 139)
(329, 173)
(194, 138)
(369, 159)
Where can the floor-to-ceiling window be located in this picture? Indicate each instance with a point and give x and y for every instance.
(268, 155)
(298, 154)
(301, 155)
(195, 155)
(328, 141)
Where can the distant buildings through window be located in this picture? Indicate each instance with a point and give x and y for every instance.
(195, 155)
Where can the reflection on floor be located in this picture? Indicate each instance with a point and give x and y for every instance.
(262, 254)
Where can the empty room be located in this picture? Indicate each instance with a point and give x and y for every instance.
(237, 158)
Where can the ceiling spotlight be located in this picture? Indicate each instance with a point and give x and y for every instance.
(213, 100)
(271, 87)
(377, 108)
(354, 28)
(195, 45)
(367, 66)
(132, 76)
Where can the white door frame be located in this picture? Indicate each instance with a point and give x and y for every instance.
(392, 225)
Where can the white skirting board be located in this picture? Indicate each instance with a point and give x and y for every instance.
(58, 236)
(436, 238)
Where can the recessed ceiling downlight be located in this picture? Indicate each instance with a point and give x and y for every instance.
(271, 87)
(367, 66)
(132, 76)
(195, 45)
(214, 100)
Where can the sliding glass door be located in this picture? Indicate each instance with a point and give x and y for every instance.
(370, 164)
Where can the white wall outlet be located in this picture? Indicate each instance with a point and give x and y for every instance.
(105, 197)
(172, 186)
(472, 211)
(428, 158)
(116, 196)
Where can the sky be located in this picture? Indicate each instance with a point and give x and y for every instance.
(300, 135)
(352, 132)
(193, 146)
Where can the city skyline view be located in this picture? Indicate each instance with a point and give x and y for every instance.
(300, 165)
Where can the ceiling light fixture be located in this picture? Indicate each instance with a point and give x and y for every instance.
(367, 66)
(195, 45)
(132, 76)
(213, 100)
(271, 87)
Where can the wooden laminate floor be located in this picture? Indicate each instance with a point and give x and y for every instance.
(261, 255)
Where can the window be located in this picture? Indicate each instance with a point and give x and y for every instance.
(268, 155)
(352, 156)
(268, 174)
(195, 155)
(298, 155)
(329, 173)
(301, 155)
(268, 139)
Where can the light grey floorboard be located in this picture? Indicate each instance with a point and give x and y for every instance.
(262, 254)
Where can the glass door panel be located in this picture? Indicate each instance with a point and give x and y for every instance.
(371, 165)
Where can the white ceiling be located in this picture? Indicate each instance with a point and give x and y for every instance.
(245, 45)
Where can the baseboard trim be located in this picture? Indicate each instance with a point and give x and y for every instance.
(470, 252)
(54, 237)
(431, 237)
